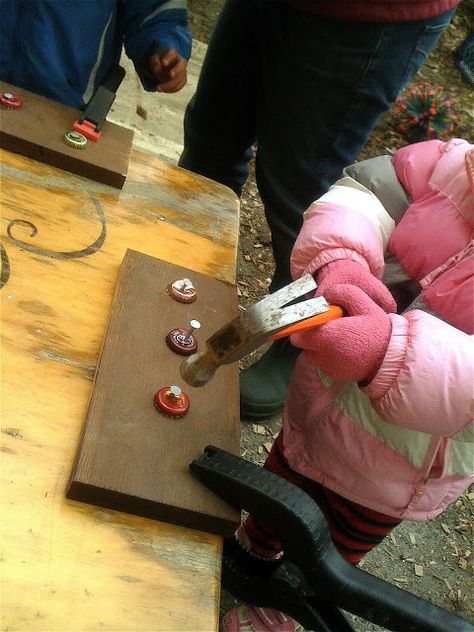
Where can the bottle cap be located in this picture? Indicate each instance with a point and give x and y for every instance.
(171, 401)
(75, 139)
(9, 100)
(182, 342)
(182, 290)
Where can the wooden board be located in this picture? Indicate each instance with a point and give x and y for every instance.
(36, 130)
(131, 457)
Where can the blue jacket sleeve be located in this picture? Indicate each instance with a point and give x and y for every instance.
(153, 25)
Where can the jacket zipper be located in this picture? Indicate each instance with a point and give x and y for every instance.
(452, 262)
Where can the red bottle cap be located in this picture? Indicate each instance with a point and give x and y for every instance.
(182, 342)
(171, 401)
(9, 100)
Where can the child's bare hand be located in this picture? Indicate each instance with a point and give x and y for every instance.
(169, 69)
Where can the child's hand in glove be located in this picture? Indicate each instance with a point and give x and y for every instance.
(348, 271)
(352, 347)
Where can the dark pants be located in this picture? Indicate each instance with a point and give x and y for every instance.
(308, 89)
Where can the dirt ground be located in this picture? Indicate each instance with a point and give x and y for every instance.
(433, 560)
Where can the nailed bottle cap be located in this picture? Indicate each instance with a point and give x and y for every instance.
(11, 101)
(182, 342)
(171, 401)
(182, 291)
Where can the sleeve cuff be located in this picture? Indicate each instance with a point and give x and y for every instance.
(334, 254)
(393, 360)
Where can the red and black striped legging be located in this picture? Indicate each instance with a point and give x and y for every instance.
(355, 530)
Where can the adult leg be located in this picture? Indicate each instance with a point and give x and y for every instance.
(324, 85)
(220, 120)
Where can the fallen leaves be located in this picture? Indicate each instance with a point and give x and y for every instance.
(462, 563)
(263, 431)
(142, 113)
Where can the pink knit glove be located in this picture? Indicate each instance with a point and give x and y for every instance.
(255, 619)
(352, 347)
(348, 271)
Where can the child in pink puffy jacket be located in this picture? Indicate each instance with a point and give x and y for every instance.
(378, 425)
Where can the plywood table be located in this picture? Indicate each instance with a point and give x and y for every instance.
(66, 565)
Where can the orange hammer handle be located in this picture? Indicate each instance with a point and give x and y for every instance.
(332, 313)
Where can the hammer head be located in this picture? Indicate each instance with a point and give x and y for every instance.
(199, 368)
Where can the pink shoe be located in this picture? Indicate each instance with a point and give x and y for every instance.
(248, 618)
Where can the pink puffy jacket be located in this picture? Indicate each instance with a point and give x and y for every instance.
(403, 445)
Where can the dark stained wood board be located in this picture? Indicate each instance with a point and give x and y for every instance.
(36, 130)
(131, 457)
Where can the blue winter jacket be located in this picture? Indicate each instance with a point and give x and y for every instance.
(63, 49)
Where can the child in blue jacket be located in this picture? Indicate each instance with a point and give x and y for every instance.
(64, 49)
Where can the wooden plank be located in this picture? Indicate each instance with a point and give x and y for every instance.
(132, 457)
(36, 130)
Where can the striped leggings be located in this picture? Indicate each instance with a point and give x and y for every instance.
(355, 530)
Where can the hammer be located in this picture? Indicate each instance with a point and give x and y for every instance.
(266, 321)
